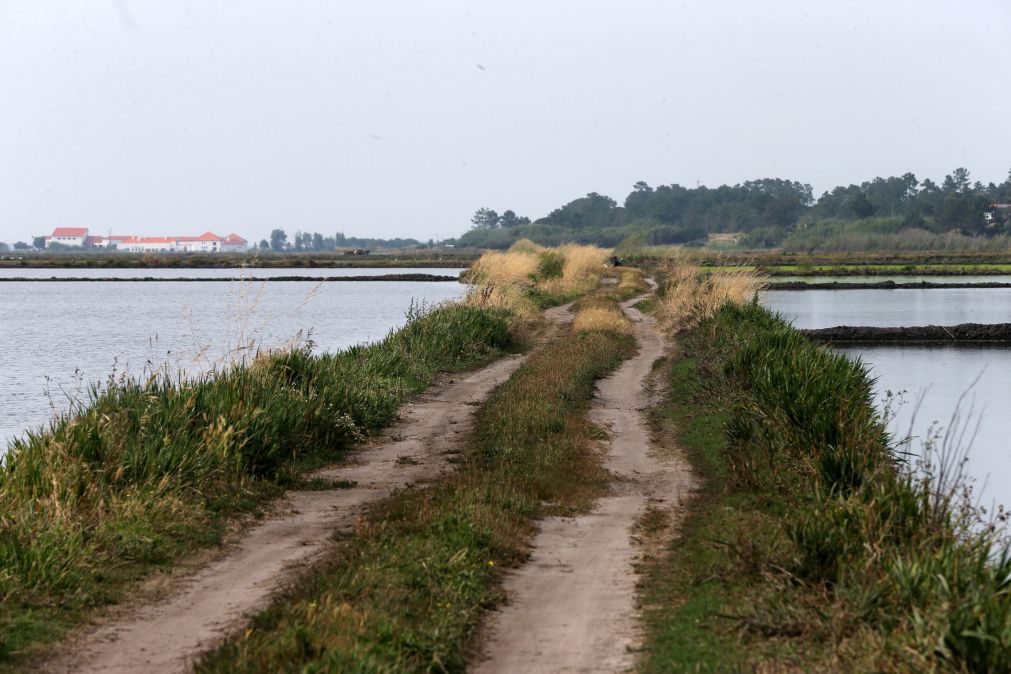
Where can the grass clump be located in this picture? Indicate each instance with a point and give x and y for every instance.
(527, 277)
(824, 551)
(688, 295)
(408, 591)
(147, 469)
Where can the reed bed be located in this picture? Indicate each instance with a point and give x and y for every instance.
(145, 469)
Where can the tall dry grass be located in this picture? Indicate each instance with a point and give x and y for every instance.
(688, 295)
(528, 276)
(512, 267)
(583, 267)
(602, 319)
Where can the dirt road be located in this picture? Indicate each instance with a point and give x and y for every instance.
(572, 606)
(205, 607)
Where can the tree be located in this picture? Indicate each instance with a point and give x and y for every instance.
(39, 242)
(21, 245)
(510, 219)
(4, 247)
(264, 245)
(317, 241)
(485, 218)
(278, 240)
(958, 181)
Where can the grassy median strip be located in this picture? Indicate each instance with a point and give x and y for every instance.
(147, 470)
(812, 548)
(408, 590)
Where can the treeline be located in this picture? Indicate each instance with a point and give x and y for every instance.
(306, 241)
(769, 212)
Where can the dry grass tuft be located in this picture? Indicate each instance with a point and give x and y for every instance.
(511, 297)
(525, 246)
(584, 265)
(555, 273)
(505, 268)
(689, 296)
(631, 279)
(602, 319)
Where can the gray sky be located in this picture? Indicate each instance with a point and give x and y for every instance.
(400, 118)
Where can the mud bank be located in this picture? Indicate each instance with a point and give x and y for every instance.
(970, 333)
(878, 285)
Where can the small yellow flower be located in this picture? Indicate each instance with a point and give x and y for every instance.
(491, 562)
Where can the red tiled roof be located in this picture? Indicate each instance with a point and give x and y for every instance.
(70, 231)
(234, 238)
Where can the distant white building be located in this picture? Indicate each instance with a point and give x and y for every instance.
(68, 236)
(208, 242)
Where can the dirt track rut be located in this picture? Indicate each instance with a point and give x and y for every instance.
(572, 606)
(203, 608)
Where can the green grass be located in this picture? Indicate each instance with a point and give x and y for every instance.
(408, 592)
(147, 470)
(810, 549)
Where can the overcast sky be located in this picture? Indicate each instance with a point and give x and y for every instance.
(401, 117)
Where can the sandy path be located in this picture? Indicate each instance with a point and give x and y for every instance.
(205, 607)
(572, 606)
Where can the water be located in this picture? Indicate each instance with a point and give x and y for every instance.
(220, 272)
(932, 377)
(57, 337)
(979, 278)
(891, 308)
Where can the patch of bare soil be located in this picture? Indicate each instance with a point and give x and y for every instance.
(572, 607)
(202, 608)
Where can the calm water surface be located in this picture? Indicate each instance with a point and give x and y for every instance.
(891, 308)
(933, 378)
(981, 278)
(226, 272)
(55, 338)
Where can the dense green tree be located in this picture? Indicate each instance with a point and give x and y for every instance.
(39, 242)
(278, 240)
(510, 219)
(485, 218)
(956, 182)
